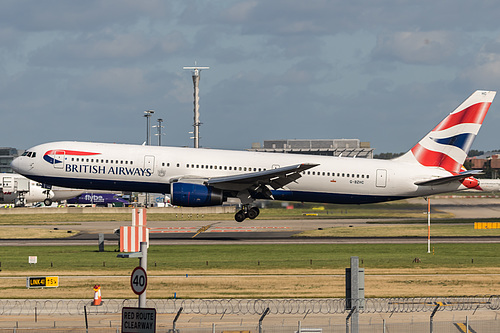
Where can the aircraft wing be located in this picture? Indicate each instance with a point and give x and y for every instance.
(444, 180)
(276, 178)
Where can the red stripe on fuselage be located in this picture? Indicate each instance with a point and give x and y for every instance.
(69, 152)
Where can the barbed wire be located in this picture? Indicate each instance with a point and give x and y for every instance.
(252, 306)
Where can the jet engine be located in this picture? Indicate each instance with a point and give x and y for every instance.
(470, 182)
(195, 195)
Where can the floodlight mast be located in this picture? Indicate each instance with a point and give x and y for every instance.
(196, 82)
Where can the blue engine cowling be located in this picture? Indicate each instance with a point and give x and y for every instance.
(195, 195)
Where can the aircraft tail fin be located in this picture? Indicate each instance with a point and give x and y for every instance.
(448, 144)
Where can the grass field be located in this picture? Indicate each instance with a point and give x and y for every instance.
(403, 230)
(250, 258)
(258, 270)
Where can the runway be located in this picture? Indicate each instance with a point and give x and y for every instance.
(241, 237)
(262, 231)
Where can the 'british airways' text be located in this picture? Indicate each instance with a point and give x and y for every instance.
(103, 170)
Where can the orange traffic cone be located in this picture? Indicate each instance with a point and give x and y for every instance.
(97, 295)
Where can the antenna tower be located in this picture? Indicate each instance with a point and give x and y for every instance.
(196, 83)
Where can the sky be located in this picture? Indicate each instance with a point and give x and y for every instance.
(384, 71)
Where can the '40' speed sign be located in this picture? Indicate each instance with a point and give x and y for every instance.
(138, 280)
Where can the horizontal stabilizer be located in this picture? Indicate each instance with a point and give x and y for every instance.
(445, 180)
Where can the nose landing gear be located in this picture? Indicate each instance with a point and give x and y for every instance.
(250, 212)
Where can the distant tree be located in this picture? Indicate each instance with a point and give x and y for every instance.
(474, 152)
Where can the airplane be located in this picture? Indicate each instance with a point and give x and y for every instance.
(206, 177)
(487, 185)
(18, 190)
(98, 199)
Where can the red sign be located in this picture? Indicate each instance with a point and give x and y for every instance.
(139, 280)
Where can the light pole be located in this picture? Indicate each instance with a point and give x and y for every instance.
(158, 130)
(148, 114)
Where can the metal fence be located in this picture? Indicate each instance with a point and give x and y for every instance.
(252, 306)
(379, 327)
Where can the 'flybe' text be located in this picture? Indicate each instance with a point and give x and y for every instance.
(103, 170)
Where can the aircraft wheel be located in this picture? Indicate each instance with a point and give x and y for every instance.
(47, 202)
(253, 213)
(240, 216)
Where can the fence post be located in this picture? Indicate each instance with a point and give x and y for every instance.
(353, 310)
(86, 321)
(432, 318)
(175, 320)
(262, 318)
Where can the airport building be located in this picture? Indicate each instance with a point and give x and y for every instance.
(488, 162)
(326, 147)
(7, 155)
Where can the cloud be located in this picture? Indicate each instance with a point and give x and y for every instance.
(52, 15)
(427, 48)
(239, 12)
(109, 48)
(483, 67)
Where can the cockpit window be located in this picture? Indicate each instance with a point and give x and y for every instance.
(30, 154)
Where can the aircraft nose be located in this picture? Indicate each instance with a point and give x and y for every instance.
(16, 165)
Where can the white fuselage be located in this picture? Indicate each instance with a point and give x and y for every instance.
(152, 169)
(13, 187)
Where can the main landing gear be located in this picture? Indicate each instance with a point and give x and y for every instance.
(250, 212)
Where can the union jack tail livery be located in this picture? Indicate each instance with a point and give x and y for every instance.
(448, 144)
